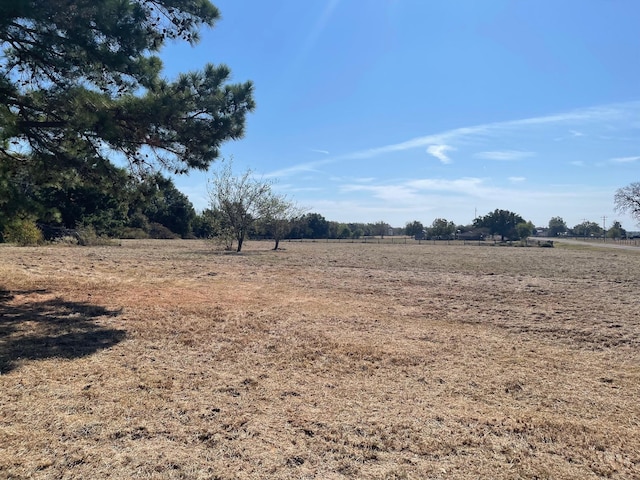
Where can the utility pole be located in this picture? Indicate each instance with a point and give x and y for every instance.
(604, 227)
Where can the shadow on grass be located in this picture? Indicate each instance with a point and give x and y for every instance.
(40, 329)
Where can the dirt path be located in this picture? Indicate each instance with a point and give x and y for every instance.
(600, 244)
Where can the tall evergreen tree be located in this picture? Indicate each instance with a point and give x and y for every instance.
(80, 83)
(160, 201)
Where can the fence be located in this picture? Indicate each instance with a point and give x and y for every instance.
(395, 240)
(630, 242)
(529, 242)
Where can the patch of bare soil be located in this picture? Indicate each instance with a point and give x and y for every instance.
(167, 359)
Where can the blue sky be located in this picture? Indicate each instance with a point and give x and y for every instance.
(402, 110)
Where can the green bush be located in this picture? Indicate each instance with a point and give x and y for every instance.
(87, 237)
(23, 232)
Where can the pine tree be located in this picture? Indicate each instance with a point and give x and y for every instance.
(80, 83)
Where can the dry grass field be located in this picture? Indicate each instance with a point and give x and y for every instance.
(167, 359)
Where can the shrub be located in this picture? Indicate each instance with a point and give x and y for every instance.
(66, 240)
(23, 232)
(157, 230)
(87, 237)
(134, 233)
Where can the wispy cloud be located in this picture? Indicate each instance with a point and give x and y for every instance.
(624, 159)
(504, 155)
(592, 115)
(399, 193)
(418, 142)
(302, 189)
(440, 143)
(316, 150)
(577, 163)
(445, 198)
(466, 185)
(439, 151)
(318, 28)
(580, 116)
(572, 135)
(296, 169)
(422, 192)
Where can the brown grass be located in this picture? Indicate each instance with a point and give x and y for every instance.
(165, 359)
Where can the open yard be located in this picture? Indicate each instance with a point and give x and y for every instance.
(168, 359)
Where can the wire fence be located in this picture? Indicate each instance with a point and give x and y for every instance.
(405, 240)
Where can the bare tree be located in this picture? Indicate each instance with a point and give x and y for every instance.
(279, 216)
(239, 201)
(627, 200)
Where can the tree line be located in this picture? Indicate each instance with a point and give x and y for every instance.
(116, 204)
(510, 226)
(503, 223)
(587, 229)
